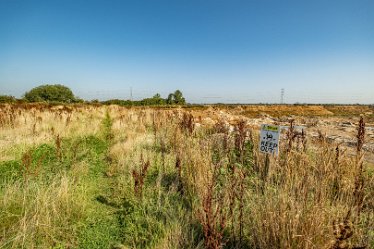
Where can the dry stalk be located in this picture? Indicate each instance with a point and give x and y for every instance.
(358, 192)
(212, 216)
(290, 135)
(139, 176)
(58, 148)
(221, 127)
(34, 129)
(178, 166)
(242, 176)
(27, 163)
(240, 139)
(337, 176)
(187, 123)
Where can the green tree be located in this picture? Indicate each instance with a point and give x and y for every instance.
(170, 99)
(155, 100)
(178, 98)
(50, 93)
(158, 100)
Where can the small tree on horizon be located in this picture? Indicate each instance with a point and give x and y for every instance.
(170, 99)
(178, 98)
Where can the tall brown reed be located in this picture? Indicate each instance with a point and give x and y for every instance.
(213, 215)
(139, 176)
(58, 148)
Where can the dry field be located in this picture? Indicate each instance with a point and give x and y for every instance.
(85, 176)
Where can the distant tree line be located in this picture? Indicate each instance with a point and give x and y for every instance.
(62, 94)
(175, 98)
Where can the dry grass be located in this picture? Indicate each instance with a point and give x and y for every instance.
(35, 215)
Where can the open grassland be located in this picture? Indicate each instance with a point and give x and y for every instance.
(83, 176)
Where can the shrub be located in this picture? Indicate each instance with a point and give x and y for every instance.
(50, 93)
(7, 99)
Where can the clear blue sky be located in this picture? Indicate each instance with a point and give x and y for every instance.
(212, 50)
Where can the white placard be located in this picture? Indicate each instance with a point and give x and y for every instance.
(269, 139)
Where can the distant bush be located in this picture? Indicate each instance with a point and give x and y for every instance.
(7, 99)
(50, 93)
(155, 100)
(78, 100)
(117, 102)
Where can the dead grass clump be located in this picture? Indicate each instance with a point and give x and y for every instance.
(187, 123)
(343, 232)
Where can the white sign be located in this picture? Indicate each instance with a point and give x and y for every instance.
(269, 139)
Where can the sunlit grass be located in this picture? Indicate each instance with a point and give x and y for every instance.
(68, 181)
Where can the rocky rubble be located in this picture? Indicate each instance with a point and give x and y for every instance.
(337, 130)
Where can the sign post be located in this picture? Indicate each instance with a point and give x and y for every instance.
(269, 139)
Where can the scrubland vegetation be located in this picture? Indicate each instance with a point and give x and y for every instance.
(85, 176)
(59, 94)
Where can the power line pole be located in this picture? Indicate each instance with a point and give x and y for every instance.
(131, 93)
(282, 96)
